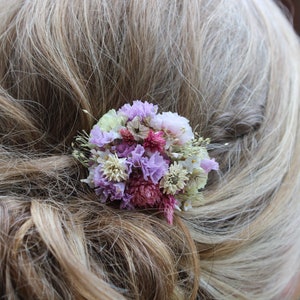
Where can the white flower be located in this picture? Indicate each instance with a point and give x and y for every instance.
(191, 163)
(197, 181)
(111, 121)
(137, 129)
(175, 179)
(99, 156)
(187, 205)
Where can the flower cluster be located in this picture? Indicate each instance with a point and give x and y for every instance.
(145, 159)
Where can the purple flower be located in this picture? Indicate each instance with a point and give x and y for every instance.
(114, 191)
(154, 167)
(209, 164)
(101, 138)
(117, 190)
(125, 204)
(123, 149)
(139, 109)
(99, 178)
(137, 156)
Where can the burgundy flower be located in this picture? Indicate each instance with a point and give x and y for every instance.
(127, 136)
(144, 193)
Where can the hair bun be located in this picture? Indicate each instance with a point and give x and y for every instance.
(237, 123)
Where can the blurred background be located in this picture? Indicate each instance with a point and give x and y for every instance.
(293, 7)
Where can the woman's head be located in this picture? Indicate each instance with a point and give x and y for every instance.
(231, 67)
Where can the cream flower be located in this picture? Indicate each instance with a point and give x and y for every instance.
(198, 179)
(175, 179)
(115, 169)
(111, 121)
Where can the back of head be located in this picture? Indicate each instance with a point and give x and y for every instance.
(231, 67)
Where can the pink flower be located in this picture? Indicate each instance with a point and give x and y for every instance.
(173, 124)
(155, 141)
(167, 205)
(143, 193)
(209, 164)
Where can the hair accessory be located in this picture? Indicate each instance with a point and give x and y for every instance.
(145, 159)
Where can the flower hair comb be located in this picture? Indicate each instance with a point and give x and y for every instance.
(145, 159)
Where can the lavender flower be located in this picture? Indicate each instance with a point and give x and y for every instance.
(101, 138)
(137, 155)
(209, 164)
(99, 178)
(123, 149)
(139, 109)
(154, 167)
(111, 192)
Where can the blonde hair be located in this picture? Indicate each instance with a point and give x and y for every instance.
(232, 67)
